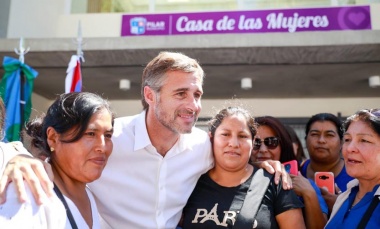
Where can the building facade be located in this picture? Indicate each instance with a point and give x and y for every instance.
(301, 63)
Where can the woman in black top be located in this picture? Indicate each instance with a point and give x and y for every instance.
(232, 132)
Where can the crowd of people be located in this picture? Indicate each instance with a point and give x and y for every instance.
(166, 173)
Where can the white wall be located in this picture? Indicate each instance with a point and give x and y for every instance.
(93, 25)
(39, 105)
(375, 16)
(297, 107)
(35, 18)
(27, 19)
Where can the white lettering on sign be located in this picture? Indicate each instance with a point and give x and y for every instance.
(185, 25)
(278, 21)
(225, 24)
(157, 25)
(249, 23)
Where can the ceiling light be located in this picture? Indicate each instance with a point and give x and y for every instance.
(246, 83)
(374, 81)
(124, 84)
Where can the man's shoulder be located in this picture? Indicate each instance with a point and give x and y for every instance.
(197, 137)
(126, 119)
(198, 130)
(121, 122)
(198, 134)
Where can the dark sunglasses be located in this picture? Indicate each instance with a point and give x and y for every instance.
(269, 142)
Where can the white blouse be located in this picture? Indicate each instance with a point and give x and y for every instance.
(51, 214)
(79, 220)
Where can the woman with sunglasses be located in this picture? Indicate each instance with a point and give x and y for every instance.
(359, 207)
(210, 205)
(273, 142)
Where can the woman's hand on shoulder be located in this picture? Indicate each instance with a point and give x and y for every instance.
(276, 168)
(36, 173)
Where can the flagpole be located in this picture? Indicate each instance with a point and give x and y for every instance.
(73, 80)
(21, 52)
(80, 43)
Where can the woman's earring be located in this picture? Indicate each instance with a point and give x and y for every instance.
(51, 149)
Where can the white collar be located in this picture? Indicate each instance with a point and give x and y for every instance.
(142, 139)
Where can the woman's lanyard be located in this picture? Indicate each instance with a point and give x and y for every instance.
(368, 213)
(68, 212)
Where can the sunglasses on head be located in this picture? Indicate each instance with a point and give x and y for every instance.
(374, 112)
(269, 142)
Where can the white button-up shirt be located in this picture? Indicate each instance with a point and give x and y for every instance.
(141, 189)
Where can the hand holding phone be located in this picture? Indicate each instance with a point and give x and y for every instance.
(325, 180)
(291, 167)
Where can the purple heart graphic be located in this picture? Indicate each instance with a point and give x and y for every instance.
(356, 18)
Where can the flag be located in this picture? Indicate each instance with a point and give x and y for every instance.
(73, 82)
(10, 87)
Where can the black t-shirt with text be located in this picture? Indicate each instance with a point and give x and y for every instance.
(209, 205)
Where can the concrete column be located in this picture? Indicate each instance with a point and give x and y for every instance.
(4, 17)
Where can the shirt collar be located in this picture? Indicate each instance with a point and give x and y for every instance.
(141, 133)
(355, 182)
(184, 142)
(142, 139)
(352, 183)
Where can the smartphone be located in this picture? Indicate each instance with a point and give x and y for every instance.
(291, 167)
(325, 180)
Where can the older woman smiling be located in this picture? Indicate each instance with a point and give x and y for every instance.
(358, 207)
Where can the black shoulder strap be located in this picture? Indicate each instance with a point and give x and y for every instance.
(252, 201)
(68, 212)
(368, 213)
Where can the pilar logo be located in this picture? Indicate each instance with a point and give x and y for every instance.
(138, 25)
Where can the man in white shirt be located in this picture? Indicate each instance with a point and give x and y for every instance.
(158, 155)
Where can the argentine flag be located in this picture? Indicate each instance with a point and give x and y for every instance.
(73, 82)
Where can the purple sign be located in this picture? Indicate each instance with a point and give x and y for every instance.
(259, 21)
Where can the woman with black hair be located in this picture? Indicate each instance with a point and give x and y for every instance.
(324, 141)
(215, 201)
(76, 134)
